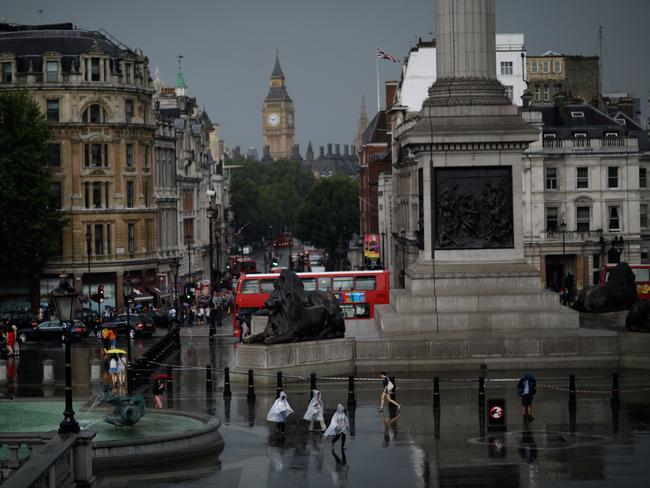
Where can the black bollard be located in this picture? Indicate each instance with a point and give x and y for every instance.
(572, 404)
(279, 386)
(312, 384)
(251, 413)
(250, 396)
(129, 378)
(351, 399)
(226, 409)
(436, 419)
(352, 410)
(393, 395)
(226, 383)
(208, 380)
(436, 391)
(615, 395)
(481, 391)
(219, 315)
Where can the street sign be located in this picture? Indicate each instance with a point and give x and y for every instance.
(496, 414)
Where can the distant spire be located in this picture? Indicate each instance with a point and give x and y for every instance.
(181, 86)
(362, 123)
(277, 70)
(310, 152)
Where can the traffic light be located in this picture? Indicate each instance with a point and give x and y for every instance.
(274, 262)
(188, 293)
(100, 293)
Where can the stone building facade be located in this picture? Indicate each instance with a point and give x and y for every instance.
(577, 77)
(584, 187)
(96, 94)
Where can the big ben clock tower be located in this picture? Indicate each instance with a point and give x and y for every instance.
(278, 116)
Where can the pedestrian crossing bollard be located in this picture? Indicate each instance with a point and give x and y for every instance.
(351, 399)
(3, 372)
(226, 383)
(208, 380)
(48, 372)
(312, 384)
(481, 391)
(250, 396)
(436, 391)
(278, 387)
(393, 394)
(95, 371)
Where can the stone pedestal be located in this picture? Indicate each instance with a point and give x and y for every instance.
(326, 357)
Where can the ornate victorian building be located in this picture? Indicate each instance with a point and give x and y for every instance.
(96, 94)
(278, 116)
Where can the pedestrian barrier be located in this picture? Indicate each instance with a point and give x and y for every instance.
(278, 388)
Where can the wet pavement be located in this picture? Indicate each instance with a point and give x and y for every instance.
(422, 446)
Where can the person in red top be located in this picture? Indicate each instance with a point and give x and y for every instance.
(11, 339)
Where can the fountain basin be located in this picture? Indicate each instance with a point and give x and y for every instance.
(161, 436)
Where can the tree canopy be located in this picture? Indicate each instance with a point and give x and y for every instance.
(264, 195)
(31, 224)
(329, 213)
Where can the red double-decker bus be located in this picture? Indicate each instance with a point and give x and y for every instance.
(357, 291)
(641, 278)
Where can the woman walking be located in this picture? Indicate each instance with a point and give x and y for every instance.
(158, 390)
(112, 369)
(279, 412)
(315, 411)
(387, 388)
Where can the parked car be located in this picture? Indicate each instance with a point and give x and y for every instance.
(53, 331)
(22, 319)
(163, 320)
(137, 325)
(89, 317)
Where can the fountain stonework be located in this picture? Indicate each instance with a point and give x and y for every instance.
(468, 142)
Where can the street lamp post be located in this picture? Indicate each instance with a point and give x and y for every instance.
(175, 265)
(64, 298)
(128, 298)
(563, 230)
(290, 252)
(383, 250)
(211, 212)
(188, 239)
(89, 238)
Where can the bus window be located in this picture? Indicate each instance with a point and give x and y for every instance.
(363, 310)
(366, 283)
(250, 286)
(343, 283)
(309, 284)
(324, 283)
(641, 274)
(266, 286)
(347, 311)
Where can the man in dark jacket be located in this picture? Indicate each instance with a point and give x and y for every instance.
(527, 387)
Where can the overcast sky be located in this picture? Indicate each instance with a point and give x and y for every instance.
(327, 48)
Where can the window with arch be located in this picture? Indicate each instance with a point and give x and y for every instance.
(94, 114)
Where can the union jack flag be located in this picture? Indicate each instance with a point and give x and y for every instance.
(384, 55)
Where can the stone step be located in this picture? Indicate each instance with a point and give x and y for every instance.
(477, 286)
(404, 302)
(524, 319)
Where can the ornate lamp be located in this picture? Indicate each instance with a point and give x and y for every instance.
(65, 297)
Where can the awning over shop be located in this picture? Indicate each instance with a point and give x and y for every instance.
(160, 293)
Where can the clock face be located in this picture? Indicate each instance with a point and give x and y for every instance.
(273, 119)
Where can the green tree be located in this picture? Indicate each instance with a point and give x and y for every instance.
(264, 195)
(31, 224)
(330, 212)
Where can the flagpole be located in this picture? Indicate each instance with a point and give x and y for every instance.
(378, 100)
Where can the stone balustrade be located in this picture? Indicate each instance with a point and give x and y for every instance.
(46, 459)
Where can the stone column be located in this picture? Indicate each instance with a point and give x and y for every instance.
(465, 56)
(465, 38)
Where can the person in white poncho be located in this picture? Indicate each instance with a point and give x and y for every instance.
(339, 426)
(315, 411)
(279, 412)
